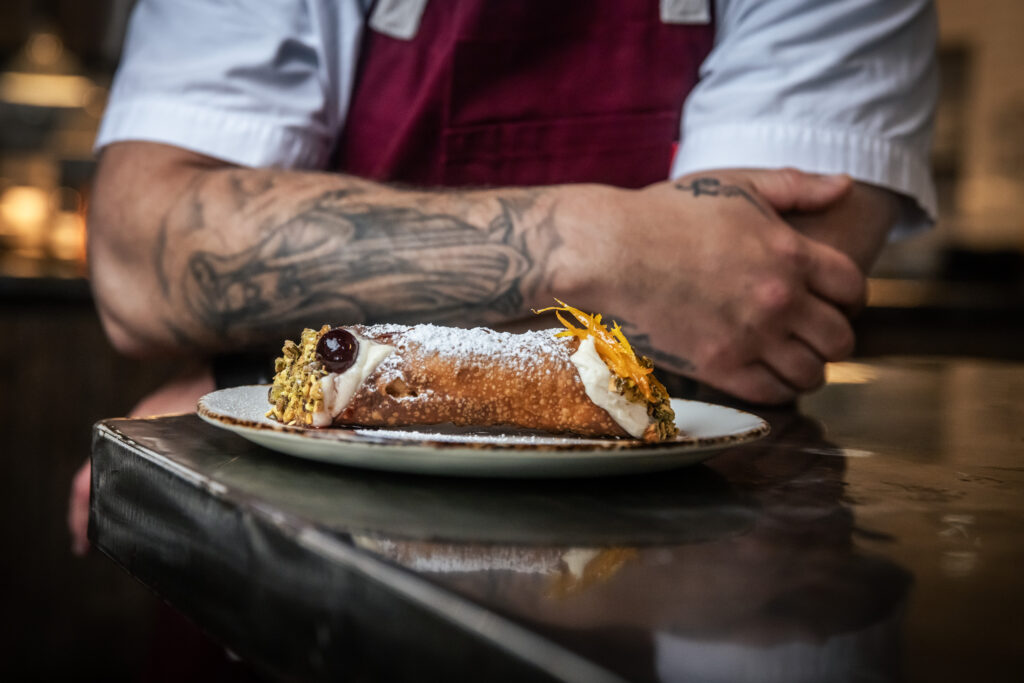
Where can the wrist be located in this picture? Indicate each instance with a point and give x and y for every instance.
(590, 221)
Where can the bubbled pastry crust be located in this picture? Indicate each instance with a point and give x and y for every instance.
(475, 377)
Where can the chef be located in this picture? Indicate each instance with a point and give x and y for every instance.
(718, 176)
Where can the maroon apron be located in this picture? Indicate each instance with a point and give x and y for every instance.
(523, 92)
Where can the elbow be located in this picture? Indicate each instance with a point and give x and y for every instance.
(120, 279)
(120, 316)
(122, 337)
(137, 186)
(132, 323)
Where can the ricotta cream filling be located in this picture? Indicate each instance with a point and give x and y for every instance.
(339, 387)
(600, 387)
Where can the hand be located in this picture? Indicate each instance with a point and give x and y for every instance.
(723, 289)
(78, 509)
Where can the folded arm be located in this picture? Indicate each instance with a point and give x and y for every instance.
(191, 255)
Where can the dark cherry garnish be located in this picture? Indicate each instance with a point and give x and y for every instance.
(337, 349)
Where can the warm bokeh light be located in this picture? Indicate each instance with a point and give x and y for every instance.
(849, 373)
(45, 48)
(24, 216)
(44, 90)
(24, 208)
(67, 236)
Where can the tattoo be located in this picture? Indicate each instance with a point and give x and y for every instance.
(713, 187)
(190, 207)
(642, 343)
(247, 186)
(343, 261)
(667, 360)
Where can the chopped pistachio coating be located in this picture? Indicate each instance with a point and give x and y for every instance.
(297, 393)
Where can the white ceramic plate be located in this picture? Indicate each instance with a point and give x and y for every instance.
(705, 428)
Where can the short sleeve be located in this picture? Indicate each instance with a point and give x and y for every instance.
(827, 87)
(251, 82)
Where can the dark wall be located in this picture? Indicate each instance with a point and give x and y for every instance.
(64, 618)
(92, 29)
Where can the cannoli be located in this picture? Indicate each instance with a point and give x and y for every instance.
(581, 380)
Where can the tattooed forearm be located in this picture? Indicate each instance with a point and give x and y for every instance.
(342, 258)
(707, 186)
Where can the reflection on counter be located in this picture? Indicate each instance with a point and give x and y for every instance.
(874, 536)
(719, 594)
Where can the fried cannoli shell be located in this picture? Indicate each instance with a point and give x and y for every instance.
(475, 377)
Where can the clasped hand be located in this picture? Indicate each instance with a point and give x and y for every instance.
(725, 290)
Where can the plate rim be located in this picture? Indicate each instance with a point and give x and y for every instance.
(588, 447)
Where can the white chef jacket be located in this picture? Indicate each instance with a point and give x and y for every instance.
(826, 86)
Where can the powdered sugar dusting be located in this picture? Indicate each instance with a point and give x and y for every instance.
(525, 348)
(516, 353)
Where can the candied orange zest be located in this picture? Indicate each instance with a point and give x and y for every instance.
(611, 345)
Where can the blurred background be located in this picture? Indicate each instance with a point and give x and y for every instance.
(958, 289)
(64, 618)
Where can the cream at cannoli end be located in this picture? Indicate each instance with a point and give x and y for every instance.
(585, 381)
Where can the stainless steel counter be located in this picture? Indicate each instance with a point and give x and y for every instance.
(877, 535)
